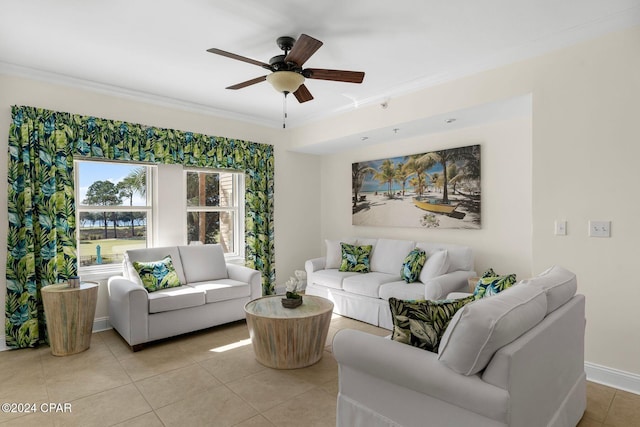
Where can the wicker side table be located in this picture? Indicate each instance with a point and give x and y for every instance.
(70, 313)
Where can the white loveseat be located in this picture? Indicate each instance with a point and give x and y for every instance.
(513, 359)
(212, 293)
(365, 296)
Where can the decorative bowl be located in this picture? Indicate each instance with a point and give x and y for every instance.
(291, 302)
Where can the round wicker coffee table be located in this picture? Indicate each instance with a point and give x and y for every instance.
(288, 338)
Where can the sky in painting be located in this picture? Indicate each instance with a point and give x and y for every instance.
(370, 184)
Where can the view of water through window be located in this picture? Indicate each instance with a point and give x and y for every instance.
(114, 208)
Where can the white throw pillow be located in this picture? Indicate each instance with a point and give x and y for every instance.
(482, 327)
(333, 256)
(437, 264)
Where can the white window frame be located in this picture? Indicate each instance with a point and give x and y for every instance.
(97, 272)
(238, 209)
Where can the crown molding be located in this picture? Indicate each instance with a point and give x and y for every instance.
(120, 92)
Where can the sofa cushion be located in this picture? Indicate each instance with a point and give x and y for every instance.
(331, 278)
(422, 323)
(175, 299)
(478, 330)
(157, 275)
(436, 265)
(355, 258)
(222, 290)
(152, 254)
(362, 241)
(367, 284)
(388, 254)
(333, 257)
(460, 257)
(203, 262)
(559, 284)
(491, 283)
(402, 290)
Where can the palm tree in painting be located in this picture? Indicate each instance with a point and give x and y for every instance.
(444, 157)
(465, 167)
(402, 175)
(435, 180)
(358, 173)
(418, 183)
(419, 165)
(386, 175)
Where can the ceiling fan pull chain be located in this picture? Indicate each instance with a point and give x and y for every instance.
(284, 110)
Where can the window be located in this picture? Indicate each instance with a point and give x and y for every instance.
(114, 210)
(215, 202)
(122, 206)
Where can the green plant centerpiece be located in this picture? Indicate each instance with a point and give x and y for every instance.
(292, 298)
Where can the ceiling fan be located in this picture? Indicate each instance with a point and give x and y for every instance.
(287, 75)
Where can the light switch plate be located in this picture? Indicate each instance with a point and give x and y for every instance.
(599, 228)
(560, 228)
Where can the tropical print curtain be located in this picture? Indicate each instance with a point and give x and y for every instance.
(41, 207)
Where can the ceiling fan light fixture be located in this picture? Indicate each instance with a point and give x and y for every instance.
(285, 81)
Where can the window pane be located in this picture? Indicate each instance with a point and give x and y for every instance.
(112, 184)
(104, 236)
(209, 189)
(211, 227)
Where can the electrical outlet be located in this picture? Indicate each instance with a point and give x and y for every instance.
(560, 228)
(599, 228)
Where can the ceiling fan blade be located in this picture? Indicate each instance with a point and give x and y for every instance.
(303, 94)
(334, 75)
(248, 83)
(239, 58)
(302, 50)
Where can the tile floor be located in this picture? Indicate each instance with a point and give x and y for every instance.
(208, 378)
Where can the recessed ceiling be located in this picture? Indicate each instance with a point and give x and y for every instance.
(504, 109)
(157, 49)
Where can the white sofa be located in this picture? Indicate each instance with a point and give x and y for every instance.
(212, 293)
(365, 296)
(513, 359)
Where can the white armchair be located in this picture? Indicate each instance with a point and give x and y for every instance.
(535, 380)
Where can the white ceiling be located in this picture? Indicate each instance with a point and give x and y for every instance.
(156, 49)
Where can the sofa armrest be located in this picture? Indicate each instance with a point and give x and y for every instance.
(247, 275)
(129, 309)
(439, 287)
(311, 266)
(314, 264)
(409, 367)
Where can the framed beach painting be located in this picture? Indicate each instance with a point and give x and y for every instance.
(438, 189)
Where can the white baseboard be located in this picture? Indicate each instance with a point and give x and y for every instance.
(101, 324)
(621, 380)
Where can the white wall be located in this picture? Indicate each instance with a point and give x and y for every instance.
(296, 175)
(585, 151)
(506, 194)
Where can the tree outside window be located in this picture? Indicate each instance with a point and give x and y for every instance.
(113, 211)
